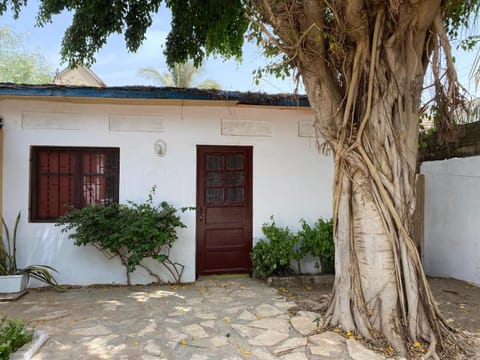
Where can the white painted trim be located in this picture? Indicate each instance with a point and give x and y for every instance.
(52, 121)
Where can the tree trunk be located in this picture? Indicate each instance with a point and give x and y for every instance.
(380, 289)
(375, 289)
(363, 65)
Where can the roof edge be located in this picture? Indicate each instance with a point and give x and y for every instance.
(151, 93)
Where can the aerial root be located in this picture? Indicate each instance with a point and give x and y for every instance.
(431, 351)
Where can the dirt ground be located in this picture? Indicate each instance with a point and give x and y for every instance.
(458, 301)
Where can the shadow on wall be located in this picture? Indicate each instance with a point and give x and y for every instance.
(75, 265)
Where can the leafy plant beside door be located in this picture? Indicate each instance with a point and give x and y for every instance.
(274, 255)
(8, 259)
(131, 232)
(317, 240)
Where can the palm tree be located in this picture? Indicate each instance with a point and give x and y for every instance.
(180, 75)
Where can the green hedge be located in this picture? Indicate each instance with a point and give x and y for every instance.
(14, 333)
(274, 255)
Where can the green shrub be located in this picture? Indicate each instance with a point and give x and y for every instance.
(14, 333)
(273, 257)
(318, 241)
(132, 232)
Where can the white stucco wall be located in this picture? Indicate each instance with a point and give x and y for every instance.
(290, 179)
(452, 218)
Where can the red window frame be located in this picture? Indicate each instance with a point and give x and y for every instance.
(65, 177)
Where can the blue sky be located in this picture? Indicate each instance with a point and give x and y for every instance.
(117, 67)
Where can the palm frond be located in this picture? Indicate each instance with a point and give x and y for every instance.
(8, 261)
(7, 235)
(3, 269)
(4, 258)
(180, 75)
(164, 79)
(209, 84)
(149, 73)
(475, 70)
(42, 273)
(14, 243)
(8, 254)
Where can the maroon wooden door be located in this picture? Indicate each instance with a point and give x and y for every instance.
(224, 209)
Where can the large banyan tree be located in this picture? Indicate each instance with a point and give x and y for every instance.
(363, 64)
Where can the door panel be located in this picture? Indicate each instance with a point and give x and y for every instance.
(219, 215)
(224, 209)
(224, 238)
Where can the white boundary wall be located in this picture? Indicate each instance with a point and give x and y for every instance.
(290, 179)
(452, 218)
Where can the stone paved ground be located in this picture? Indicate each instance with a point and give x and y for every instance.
(211, 319)
(230, 319)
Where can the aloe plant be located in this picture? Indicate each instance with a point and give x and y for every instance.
(8, 258)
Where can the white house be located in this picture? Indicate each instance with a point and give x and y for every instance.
(237, 157)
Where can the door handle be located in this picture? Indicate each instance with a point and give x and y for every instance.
(202, 213)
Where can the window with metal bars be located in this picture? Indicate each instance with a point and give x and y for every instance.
(66, 177)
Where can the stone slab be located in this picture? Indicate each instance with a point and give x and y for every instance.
(303, 325)
(268, 323)
(246, 331)
(91, 331)
(195, 331)
(327, 337)
(268, 338)
(359, 352)
(266, 310)
(290, 345)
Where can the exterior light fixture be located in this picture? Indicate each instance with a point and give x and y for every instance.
(160, 147)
